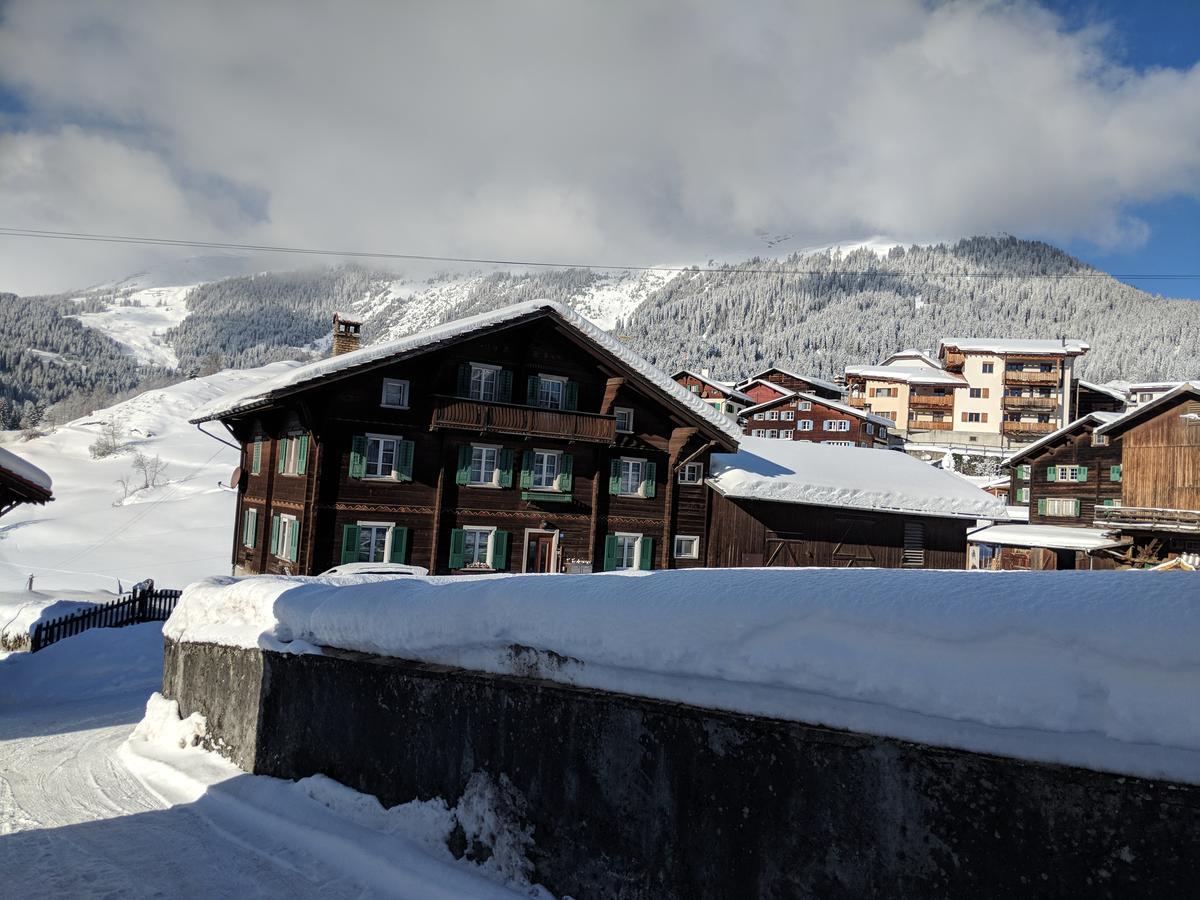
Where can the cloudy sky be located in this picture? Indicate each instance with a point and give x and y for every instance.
(605, 133)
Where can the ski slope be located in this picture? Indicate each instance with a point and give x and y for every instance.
(140, 327)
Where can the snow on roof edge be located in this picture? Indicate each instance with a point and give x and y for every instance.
(730, 390)
(25, 470)
(1020, 346)
(1101, 417)
(907, 374)
(1186, 387)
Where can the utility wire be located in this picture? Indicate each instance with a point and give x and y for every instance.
(6, 231)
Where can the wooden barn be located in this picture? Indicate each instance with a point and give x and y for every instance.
(21, 482)
(524, 439)
(786, 503)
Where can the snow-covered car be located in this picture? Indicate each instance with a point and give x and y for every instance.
(379, 568)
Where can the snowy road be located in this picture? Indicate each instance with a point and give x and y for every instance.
(85, 813)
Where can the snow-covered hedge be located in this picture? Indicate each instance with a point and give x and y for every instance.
(1098, 669)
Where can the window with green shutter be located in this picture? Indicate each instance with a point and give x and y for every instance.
(1023, 473)
(505, 465)
(614, 477)
(526, 469)
(610, 552)
(404, 461)
(282, 444)
(274, 535)
(358, 456)
(1041, 506)
(256, 458)
(1114, 473)
(1082, 476)
(531, 390)
(458, 539)
(646, 553)
(566, 473)
(1052, 473)
(250, 528)
(504, 386)
(399, 549)
(649, 480)
(498, 555)
(571, 395)
(463, 474)
(293, 543)
(302, 454)
(349, 543)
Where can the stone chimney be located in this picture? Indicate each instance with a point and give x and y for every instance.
(345, 334)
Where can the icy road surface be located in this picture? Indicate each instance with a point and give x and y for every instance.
(84, 812)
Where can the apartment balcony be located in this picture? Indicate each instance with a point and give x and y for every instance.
(930, 425)
(857, 402)
(931, 401)
(955, 360)
(1040, 378)
(509, 418)
(1028, 428)
(1014, 402)
(1186, 521)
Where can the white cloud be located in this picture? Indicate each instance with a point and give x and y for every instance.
(645, 132)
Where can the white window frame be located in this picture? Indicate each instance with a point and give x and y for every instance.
(490, 531)
(283, 544)
(871, 429)
(883, 431)
(637, 551)
(553, 485)
(553, 549)
(249, 536)
(494, 382)
(1023, 495)
(403, 384)
(788, 415)
(620, 411)
(804, 425)
(974, 418)
(495, 479)
(1056, 505)
(839, 443)
(1068, 474)
(291, 460)
(561, 381)
(804, 406)
(773, 433)
(694, 553)
(772, 415)
(759, 433)
(387, 539)
(691, 473)
(785, 434)
(758, 417)
(380, 439)
(641, 470)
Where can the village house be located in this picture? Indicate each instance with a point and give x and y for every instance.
(785, 380)
(1089, 397)
(722, 396)
(524, 439)
(788, 503)
(21, 482)
(800, 416)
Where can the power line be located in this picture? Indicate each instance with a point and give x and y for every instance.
(6, 231)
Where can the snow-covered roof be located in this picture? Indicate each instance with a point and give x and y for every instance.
(266, 391)
(1029, 347)
(824, 401)
(1053, 537)
(1098, 418)
(816, 382)
(723, 386)
(750, 382)
(1109, 390)
(920, 355)
(850, 477)
(907, 374)
(1140, 413)
(24, 470)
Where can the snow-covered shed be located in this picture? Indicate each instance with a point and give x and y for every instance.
(21, 482)
(786, 503)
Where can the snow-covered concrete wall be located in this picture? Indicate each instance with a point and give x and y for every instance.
(633, 797)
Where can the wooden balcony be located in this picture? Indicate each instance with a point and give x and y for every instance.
(1031, 402)
(930, 425)
(509, 418)
(1038, 428)
(857, 402)
(931, 401)
(955, 360)
(1136, 517)
(1042, 378)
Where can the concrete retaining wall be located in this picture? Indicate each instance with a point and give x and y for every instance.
(636, 798)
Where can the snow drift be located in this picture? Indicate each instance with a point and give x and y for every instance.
(1097, 669)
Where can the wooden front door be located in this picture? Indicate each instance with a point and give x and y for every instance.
(539, 552)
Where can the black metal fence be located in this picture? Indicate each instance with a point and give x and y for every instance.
(143, 604)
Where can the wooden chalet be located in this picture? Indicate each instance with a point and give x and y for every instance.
(760, 391)
(786, 503)
(525, 439)
(724, 398)
(21, 482)
(800, 416)
(791, 381)
(1062, 479)
(1089, 397)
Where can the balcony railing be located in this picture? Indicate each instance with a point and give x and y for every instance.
(955, 360)
(1018, 402)
(1183, 520)
(509, 418)
(1031, 377)
(930, 425)
(1028, 427)
(857, 402)
(931, 401)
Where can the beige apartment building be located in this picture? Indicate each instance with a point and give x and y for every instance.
(989, 393)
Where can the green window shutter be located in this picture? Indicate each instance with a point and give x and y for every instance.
(505, 463)
(246, 529)
(566, 469)
(274, 535)
(1023, 473)
(1041, 506)
(571, 395)
(1114, 473)
(1052, 473)
(463, 475)
(614, 477)
(526, 470)
(648, 482)
(302, 455)
(531, 390)
(1077, 509)
(294, 540)
(1083, 473)
(256, 460)
(646, 553)
(464, 380)
(349, 543)
(458, 544)
(358, 456)
(504, 386)
(610, 552)
(499, 555)
(404, 461)
(399, 544)
(282, 461)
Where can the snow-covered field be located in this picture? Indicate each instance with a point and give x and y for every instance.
(1097, 669)
(95, 803)
(140, 327)
(174, 533)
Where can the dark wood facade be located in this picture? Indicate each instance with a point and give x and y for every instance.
(424, 504)
(1065, 480)
(1086, 399)
(726, 400)
(795, 382)
(761, 533)
(805, 417)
